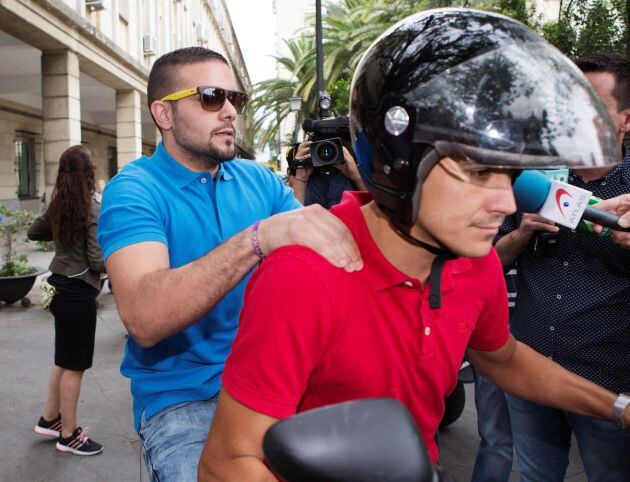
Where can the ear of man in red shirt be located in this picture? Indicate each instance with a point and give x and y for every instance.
(312, 335)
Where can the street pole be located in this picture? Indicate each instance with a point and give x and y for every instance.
(319, 45)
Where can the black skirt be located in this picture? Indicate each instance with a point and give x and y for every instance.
(74, 309)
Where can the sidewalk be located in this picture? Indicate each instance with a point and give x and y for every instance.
(26, 355)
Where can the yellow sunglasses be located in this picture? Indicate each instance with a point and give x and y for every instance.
(212, 98)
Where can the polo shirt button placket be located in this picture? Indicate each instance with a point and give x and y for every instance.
(427, 339)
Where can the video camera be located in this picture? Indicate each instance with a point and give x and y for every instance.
(326, 134)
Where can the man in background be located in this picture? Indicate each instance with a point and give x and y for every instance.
(573, 307)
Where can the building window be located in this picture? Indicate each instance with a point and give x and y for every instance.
(112, 161)
(26, 166)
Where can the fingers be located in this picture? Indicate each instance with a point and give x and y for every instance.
(618, 205)
(315, 228)
(536, 226)
(327, 235)
(534, 222)
(303, 151)
(622, 239)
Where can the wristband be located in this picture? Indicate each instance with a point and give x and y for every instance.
(619, 408)
(298, 179)
(255, 242)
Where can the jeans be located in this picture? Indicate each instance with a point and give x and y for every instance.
(173, 438)
(494, 457)
(542, 437)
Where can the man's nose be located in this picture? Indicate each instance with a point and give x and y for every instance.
(502, 198)
(228, 111)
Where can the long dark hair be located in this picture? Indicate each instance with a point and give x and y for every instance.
(69, 210)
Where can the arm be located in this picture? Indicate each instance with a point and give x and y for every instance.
(40, 230)
(94, 252)
(510, 246)
(233, 451)
(155, 301)
(620, 206)
(279, 344)
(524, 373)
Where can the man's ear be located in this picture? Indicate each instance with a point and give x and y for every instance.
(163, 114)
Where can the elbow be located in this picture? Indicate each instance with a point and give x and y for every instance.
(138, 330)
(207, 471)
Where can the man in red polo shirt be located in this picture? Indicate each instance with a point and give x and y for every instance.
(439, 156)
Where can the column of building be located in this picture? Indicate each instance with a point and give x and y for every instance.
(128, 126)
(61, 109)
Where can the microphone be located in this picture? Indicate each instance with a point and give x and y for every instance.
(559, 202)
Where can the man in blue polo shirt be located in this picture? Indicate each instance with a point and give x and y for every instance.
(181, 232)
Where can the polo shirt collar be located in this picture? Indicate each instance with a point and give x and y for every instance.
(178, 174)
(223, 172)
(380, 272)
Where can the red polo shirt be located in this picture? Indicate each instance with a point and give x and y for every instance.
(311, 334)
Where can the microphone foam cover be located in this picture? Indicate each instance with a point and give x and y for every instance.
(530, 191)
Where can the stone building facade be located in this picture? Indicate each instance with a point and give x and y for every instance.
(75, 71)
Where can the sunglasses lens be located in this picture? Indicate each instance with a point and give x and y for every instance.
(212, 98)
(238, 100)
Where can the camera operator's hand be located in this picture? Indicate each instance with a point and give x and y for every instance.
(350, 170)
(303, 171)
(303, 154)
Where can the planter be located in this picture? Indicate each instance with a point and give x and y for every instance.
(15, 288)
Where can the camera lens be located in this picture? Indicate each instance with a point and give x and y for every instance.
(327, 152)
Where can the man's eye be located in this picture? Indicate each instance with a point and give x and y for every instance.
(480, 173)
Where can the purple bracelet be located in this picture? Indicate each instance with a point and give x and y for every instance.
(255, 242)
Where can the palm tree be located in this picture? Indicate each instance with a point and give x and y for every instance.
(349, 27)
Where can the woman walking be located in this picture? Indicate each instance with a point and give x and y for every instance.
(70, 221)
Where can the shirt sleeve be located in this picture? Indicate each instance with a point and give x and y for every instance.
(284, 328)
(492, 331)
(40, 230)
(129, 215)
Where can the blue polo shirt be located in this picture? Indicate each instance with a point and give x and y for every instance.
(158, 199)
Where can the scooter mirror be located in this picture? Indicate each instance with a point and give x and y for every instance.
(368, 440)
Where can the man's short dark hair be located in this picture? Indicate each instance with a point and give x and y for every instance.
(162, 79)
(618, 65)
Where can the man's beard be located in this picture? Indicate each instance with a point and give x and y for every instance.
(199, 151)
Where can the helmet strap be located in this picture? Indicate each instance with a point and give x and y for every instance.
(435, 275)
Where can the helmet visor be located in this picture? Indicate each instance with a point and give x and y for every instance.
(525, 106)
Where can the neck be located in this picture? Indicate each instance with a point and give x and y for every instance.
(189, 159)
(589, 175)
(412, 260)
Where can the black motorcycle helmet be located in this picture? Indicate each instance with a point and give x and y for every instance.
(469, 85)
